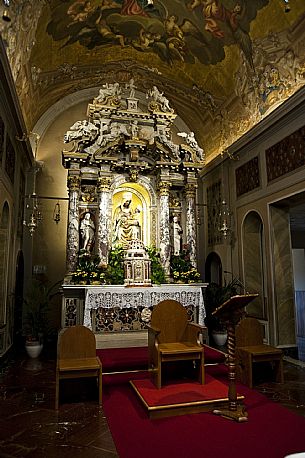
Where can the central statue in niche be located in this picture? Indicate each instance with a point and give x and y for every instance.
(126, 224)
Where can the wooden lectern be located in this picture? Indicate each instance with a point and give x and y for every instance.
(231, 312)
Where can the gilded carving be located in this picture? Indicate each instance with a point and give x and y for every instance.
(163, 188)
(104, 184)
(73, 182)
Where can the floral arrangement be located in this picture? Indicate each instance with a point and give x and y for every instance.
(89, 271)
(182, 270)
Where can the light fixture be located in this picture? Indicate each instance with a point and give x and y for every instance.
(56, 213)
(224, 219)
(32, 216)
(150, 3)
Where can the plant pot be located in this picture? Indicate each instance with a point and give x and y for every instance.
(220, 337)
(33, 348)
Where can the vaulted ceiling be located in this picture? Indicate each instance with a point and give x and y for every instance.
(223, 64)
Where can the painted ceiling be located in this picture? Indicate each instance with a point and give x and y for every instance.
(223, 64)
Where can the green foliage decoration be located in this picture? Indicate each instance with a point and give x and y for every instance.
(157, 271)
(36, 305)
(115, 268)
(214, 296)
(182, 270)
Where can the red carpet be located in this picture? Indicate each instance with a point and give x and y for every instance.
(271, 431)
(136, 358)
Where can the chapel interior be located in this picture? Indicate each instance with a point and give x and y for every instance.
(143, 134)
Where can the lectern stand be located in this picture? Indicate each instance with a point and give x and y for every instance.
(230, 312)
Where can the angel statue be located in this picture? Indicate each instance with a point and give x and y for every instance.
(192, 142)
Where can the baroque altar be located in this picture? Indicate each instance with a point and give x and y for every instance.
(114, 308)
(127, 177)
(132, 182)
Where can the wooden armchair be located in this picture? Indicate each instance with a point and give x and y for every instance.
(76, 357)
(171, 337)
(251, 350)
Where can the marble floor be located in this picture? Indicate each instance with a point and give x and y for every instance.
(30, 427)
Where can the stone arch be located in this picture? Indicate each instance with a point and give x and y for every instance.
(253, 262)
(213, 268)
(4, 256)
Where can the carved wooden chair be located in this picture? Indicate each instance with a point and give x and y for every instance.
(76, 357)
(172, 337)
(251, 350)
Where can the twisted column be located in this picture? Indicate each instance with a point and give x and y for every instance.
(190, 193)
(73, 183)
(104, 220)
(165, 248)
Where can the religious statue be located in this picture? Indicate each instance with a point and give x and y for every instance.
(81, 130)
(192, 142)
(176, 236)
(108, 90)
(126, 224)
(87, 230)
(159, 99)
(132, 88)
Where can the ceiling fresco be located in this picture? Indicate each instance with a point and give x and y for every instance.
(223, 64)
(191, 32)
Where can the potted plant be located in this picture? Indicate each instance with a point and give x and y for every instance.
(36, 305)
(215, 295)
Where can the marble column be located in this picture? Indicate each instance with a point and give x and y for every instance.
(190, 194)
(104, 219)
(165, 248)
(73, 183)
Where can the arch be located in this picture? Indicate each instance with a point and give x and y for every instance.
(4, 256)
(213, 269)
(140, 202)
(253, 262)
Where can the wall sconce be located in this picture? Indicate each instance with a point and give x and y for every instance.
(56, 213)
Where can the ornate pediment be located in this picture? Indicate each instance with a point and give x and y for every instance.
(120, 133)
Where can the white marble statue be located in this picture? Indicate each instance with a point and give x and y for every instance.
(176, 236)
(81, 130)
(192, 142)
(132, 88)
(87, 230)
(108, 90)
(159, 97)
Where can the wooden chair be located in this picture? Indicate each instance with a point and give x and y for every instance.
(76, 357)
(171, 337)
(250, 349)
